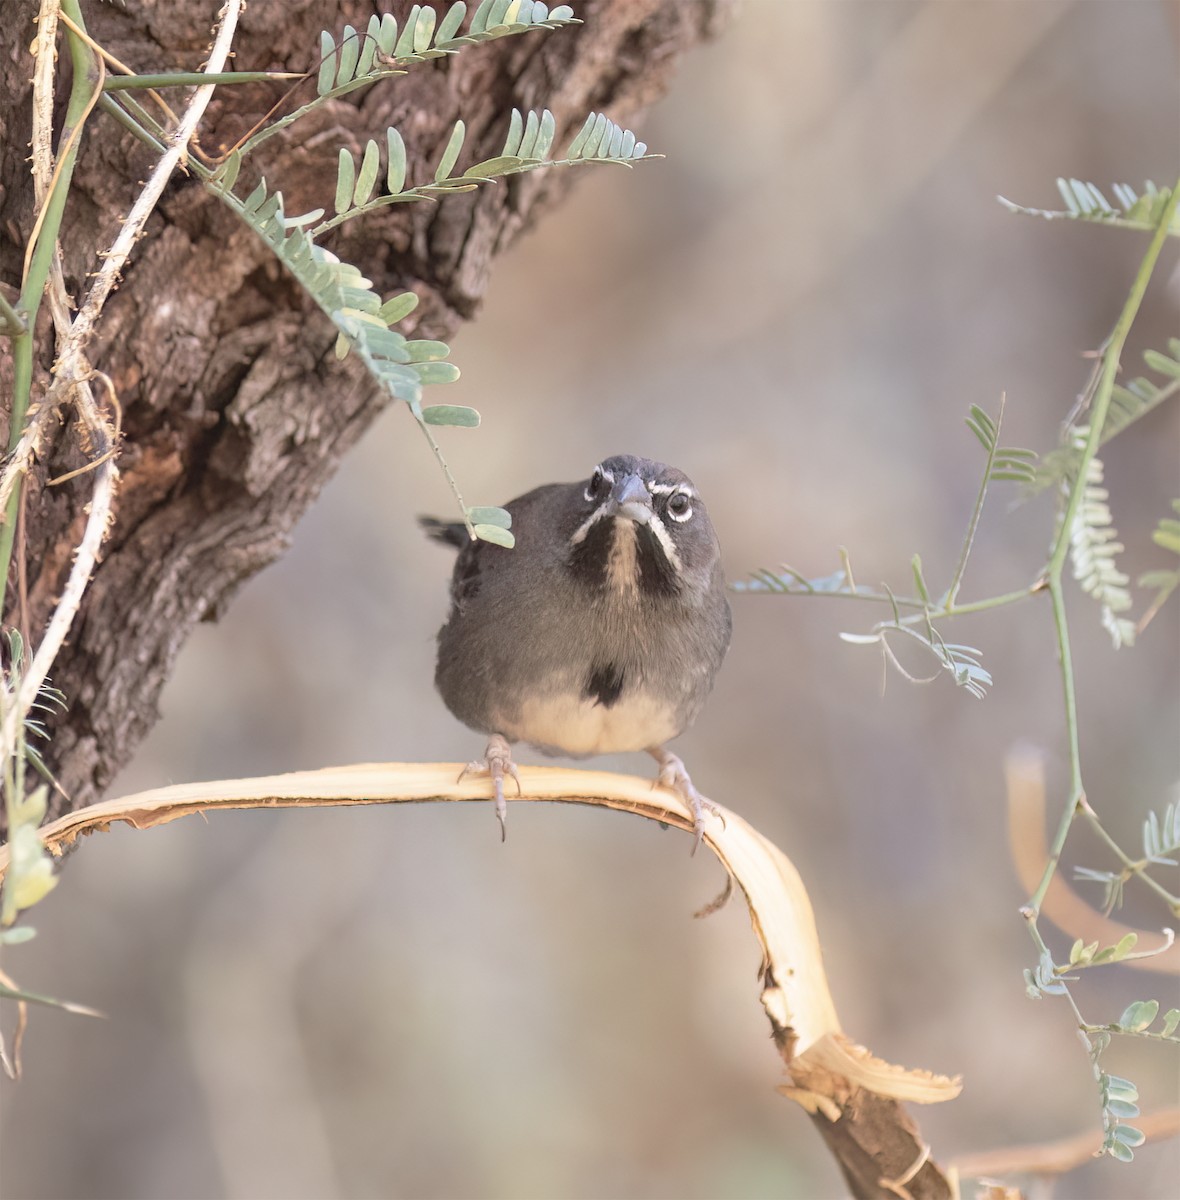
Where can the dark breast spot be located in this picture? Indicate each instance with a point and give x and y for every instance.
(605, 684)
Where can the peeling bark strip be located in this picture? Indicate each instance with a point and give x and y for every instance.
(223, 369)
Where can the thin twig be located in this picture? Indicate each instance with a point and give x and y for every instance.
(1131, 867)
(12, 324)
(108, 57)
(115, 429)
(71, 598)
(22, 567)
(44, 69)
(12, 1065)
(977, 511)
(43, 95)
(1056, 1158)
(454, 483)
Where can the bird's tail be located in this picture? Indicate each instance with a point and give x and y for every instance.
(450, 533)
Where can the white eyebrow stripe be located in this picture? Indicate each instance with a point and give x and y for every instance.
(587, 525)
(666, 489)
(665, 539)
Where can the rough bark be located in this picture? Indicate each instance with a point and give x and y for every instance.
(235, 411)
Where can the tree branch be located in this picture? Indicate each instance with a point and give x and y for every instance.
(1065, 1154)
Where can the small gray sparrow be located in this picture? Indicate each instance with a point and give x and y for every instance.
(600, 631)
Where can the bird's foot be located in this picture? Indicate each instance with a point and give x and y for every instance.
(674, 775)
(497, 762)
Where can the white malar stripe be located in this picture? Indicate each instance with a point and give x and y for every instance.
(584, 529)
(665, 540)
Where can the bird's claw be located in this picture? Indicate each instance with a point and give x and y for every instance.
(497, 762)
(675, 777)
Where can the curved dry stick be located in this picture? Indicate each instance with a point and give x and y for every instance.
(852, 1096)
(1025, 775)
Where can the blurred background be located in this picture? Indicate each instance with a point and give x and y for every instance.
(797, 306)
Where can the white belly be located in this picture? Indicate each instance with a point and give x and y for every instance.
(577, 726)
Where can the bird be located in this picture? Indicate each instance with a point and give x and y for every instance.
(599, 631)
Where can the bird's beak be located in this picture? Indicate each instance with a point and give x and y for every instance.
(630, 498)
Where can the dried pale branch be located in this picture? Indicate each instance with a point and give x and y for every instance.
(1056, 1158)
(852, 1096)
(1025, 774)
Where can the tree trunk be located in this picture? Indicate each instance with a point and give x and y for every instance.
(235, 411)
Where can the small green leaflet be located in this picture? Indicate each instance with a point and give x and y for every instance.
(450, 414)
(487, 515)
(495, 534)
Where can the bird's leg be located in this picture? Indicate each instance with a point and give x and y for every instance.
(674, 775)
(497, 762)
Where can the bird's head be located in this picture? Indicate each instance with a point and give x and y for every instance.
(640, 529)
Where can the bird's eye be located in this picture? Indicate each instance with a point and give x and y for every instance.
(594, 488)
(679, 506)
